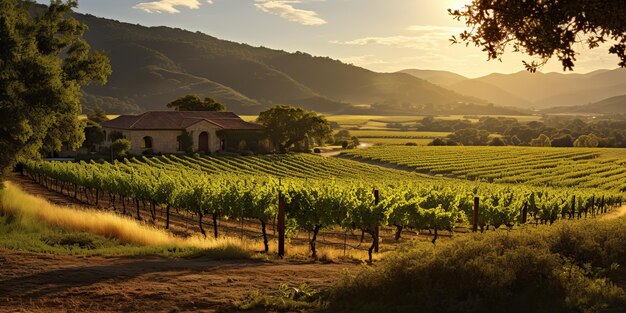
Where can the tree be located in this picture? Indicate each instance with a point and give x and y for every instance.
(120, 148)
(541, 141)
(45, 62)
(563, 141)
(543, 28)
(587, 141)
(471, 137)
(194, 103)
(288, 125)
(94, 135)
(497, 141)
(98, 115)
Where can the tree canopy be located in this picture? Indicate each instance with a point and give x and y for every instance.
(45, 62)
(195, 103)
(544, 28)
(288, 125)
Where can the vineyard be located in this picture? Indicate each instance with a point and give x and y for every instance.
(564, 167)
(320, 193)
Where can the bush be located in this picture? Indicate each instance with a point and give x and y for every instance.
(317, 150)
(148, 152)
(120, 148)
(544, 269)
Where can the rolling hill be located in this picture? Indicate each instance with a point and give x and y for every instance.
(536, 91)
(154, 65)
(613, 105)
(471, 87)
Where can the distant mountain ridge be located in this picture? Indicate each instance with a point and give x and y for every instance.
(535, 90)
(155, 65)
(613, 105)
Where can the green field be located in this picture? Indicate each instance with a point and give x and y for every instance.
(561, 167)
(397, 134)
(396, 141)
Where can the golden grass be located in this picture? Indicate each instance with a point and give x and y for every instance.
(14, 201)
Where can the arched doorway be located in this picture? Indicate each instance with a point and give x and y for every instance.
(203, 142)
(146, 142)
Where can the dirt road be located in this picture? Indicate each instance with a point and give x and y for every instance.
(43, 283)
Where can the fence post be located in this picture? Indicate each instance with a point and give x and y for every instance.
(525, 213)
(281, 225)
(376, 201)
(475, 217)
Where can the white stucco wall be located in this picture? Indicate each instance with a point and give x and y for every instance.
(211, 129)
(166, 141)
(163, 141)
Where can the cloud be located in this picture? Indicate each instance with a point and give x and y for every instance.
(286, 10)
(421, 37)
(364, 60)
(168, 6)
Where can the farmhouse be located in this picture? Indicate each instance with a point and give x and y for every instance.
(177, 131)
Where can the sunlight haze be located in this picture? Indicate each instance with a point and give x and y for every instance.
(384, 36)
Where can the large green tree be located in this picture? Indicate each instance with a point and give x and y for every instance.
(44, 62)
(288, 125)
(544, 28)
(195, 103)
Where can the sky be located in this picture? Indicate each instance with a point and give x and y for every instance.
(381, 35)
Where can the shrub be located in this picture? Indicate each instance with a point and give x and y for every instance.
(120, 148)
(317, 150)
(148, 152)
(557, 269)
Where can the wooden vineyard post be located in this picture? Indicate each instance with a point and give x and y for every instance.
(475, 217)
(345, 242)
(376, 231)
(281, 226)
(525, 213)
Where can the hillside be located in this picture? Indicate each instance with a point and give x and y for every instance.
(613, 105)
(154, 65)
(471, 87)
(539, 90)
(557, 89)
(441, 78)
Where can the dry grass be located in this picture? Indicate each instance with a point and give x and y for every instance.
(14, 201)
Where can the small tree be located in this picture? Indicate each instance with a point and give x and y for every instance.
(541, 141)
(288, 125)
(587, 141)
(94, 135)
(497, 141)
(120, 148)
(563, 141)
(185, 142)
(194, 103)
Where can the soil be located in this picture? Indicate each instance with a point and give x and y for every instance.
(31, 282)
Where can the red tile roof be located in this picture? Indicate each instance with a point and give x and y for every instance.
(175, 120)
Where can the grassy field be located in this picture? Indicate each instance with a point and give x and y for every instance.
(396, 141)
(563, 167)
(397, 134)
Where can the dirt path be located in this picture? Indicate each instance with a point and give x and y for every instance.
(614, 214)
(44, 283)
